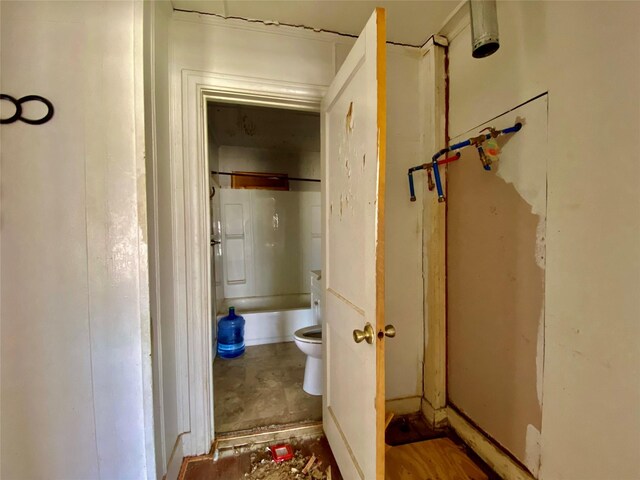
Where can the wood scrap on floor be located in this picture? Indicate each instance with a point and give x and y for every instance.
(438, 459)
(309, 464)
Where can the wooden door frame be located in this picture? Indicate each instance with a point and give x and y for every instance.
(433, 81)
(189, 163)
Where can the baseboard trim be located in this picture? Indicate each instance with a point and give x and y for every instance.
(436, 417)
(175, 460)
(402, 406)
(492, 454)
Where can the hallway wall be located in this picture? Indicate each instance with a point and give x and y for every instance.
(75, 334)
(157, 15)
(587, 372)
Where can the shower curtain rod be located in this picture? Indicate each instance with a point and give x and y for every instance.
(271, 177)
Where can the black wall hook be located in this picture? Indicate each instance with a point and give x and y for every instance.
(18, 106)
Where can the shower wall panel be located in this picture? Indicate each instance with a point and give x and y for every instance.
(270, 241)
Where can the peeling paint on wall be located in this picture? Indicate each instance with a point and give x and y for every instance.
(349, 122)
(528, 177)
(347, 150)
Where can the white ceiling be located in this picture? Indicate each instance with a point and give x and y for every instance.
(408, 21)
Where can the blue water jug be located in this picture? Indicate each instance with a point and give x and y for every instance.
(231, 335)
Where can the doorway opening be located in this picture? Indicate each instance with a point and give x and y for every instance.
(265, 260)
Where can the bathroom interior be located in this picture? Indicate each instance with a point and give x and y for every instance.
(265, 261)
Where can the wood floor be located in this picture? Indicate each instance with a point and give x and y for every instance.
(438, 459)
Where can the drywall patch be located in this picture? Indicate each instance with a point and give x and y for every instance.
(495, 300)
(496, 231)
(532, 452)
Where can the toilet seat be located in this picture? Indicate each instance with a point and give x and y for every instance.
(312, 334)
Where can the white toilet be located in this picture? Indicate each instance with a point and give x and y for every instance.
(309, 340)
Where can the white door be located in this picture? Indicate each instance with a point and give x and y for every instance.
(353, 162)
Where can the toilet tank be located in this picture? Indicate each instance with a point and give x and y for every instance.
(316, 296)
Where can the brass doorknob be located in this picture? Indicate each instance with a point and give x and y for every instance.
(366, 334)
(390, 331)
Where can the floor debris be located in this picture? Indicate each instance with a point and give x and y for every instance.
(309, 464)
(263, 467)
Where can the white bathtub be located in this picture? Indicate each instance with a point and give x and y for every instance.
(270, 319)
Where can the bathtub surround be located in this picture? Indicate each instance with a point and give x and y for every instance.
(270, 241)
(270, 238)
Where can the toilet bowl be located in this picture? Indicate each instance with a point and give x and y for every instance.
(309, 340)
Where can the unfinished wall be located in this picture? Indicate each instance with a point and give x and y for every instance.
(76, 350)
(495, 282)
(591, 383)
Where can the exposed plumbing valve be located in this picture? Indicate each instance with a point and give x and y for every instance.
(477, 142)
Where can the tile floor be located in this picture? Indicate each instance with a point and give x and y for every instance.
(262, 388)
